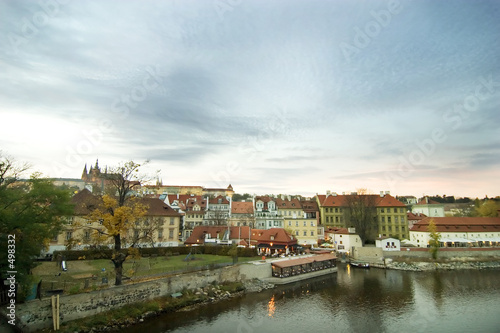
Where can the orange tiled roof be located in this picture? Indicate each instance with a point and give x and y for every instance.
(341, 200)
(427, 201)
(198, 234)
(418, 216)
(288, 204)
(242, 207)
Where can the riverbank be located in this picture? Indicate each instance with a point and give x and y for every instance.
(451, 265)
(115, 320)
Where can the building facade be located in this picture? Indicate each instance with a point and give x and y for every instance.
(390, 214)
(458, 231)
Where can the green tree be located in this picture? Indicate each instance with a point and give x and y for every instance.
(32, 212)
(434, 239)
(488, 209)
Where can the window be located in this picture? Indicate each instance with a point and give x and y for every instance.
(382, 210)
(68, 235)
(395, 210)
(383, 218)
(336, 210)
(136, 233)
(312, 233)
(390, 228)
(383, 228)
(389, 219)
(276, 223)
(86, 236)
(396, 219)
(337, 219)
(170, 233)
(296, 223)
(401, 210)
(171, 221)
(289, 223)
(305, 233)
(296, 233)
(312, 223)
(305, 223)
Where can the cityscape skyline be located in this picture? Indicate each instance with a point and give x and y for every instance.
(295, 97)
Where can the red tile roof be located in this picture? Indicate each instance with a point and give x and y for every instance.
(460, 224)
(418, 216)
(156, 207)
(273, 235)
(215, 200)
(241, 207)
(309, 206)
(341, 200)
(198, 234)
(427, 201)
(288, 204)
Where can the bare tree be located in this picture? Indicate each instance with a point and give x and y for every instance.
(360, 212)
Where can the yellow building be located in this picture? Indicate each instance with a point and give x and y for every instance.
(159, 227)
(297, 221)
(390, 213)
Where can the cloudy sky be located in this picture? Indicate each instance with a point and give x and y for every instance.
(271, 96)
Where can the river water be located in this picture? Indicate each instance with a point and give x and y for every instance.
(353, 300)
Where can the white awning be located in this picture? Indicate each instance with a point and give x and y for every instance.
(455, 240)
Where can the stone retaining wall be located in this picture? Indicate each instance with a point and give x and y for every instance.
(37, 314)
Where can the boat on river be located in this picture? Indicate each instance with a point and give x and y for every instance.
(360, 264)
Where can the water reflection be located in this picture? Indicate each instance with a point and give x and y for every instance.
(353, 300)
(271, 307)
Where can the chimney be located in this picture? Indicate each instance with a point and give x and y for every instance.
(381, 194)
(334, 194)
(388, 192)
(328, 192)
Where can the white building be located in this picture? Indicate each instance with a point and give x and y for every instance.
(388, 244)
(458, 231)
(266, 213)
(343, 239)
(429, 207)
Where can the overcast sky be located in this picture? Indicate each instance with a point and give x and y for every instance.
(295, 97)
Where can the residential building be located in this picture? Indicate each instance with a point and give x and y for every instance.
(458, 231)
(388, 243)
(297, 221)
(220, 235)
(414, 218)
(159, 227)
(195, 210)
(266, 213)
(343, 239)
(218, 211)
(429, 207)
(274, 241)
(242, 214)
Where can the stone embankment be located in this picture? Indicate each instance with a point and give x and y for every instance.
(201, 297)
(452, 265)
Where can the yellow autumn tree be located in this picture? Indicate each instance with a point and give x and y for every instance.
(434, 238)
(116, 222)
(114, 214)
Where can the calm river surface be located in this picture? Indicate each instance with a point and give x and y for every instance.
(353, 300)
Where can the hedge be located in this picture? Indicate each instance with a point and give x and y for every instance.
(221, 250)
